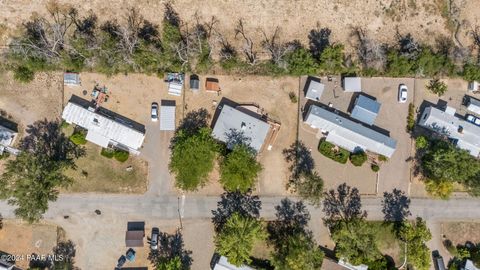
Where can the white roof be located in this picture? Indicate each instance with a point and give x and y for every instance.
(314, 90)
(100, 128)
(352, 267)
(240, 120)
(348, 134)
(448, 125)
(175, 88)
(470, 266)
(71, 78)
(473, 105)
(167, 117)
(6, 136)
(352, 84)
(223, 264)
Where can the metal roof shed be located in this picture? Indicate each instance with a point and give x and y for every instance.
(167, 115)
(314, 89)
(473, 105)
(352, 84)
(365, 110)
(71, 78)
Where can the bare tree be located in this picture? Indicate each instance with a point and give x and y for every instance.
(370, 53)
(247, 49)
(46, 38)
(277, 49)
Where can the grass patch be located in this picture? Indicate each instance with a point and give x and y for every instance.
(387, 243)
(333, 152)
(98, 174)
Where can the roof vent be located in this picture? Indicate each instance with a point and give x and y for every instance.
(460, 129)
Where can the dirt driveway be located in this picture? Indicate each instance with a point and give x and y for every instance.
(392, 117)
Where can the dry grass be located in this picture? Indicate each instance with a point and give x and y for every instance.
(461, 232)
(37, 238)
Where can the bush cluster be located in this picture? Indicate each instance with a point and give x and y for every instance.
(79, 138)
(358, 158)
(329, 150)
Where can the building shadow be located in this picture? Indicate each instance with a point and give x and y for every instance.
(8, 124)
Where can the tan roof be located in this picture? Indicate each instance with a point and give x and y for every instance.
(212, 85)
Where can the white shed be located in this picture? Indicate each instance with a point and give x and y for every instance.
(71, 78)
(167, 115)
(352, 84)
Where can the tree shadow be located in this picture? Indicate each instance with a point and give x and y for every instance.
(194, 121)
(246, 204)
(343, 204)
(237, 137)
(292, 218)
(395, 206)
(319, 39)
(300, 157)
(169, 247)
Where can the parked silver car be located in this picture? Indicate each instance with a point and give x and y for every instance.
(154, 111)
(402, 93)
(154, 239)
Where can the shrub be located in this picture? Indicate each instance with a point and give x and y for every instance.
(439, 188)
(4, 155)
(301, 62)
(107, 152)
(437, 87)
(293, 97)
(411, 117)
(23, 74)
(358, 158)
(327, 149)
(121, 155)
(382, 158)
(78, 138)
(471, 72)
(375, 167)
(421, 142)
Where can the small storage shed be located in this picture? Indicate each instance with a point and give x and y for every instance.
(175, 83)
(314, 89)
(212, 85)
(352, 84)
(473, 105)
(194, 82)
(71, 78)
(167, 115)
(365, 109)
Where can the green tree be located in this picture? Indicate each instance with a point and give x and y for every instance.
(239, 169)
(355, 242)
(301, 62)
(439, 188)
(298, 252)
(174, 263)
(398, 65)
(31, 180)
(358, 158)
(331, 59)
(237, 238)
(471, 72)
(309, 186)
(192, 158)
(437, 87)
(415, 235)
(421, 142)
(431, 64)
(66, 251)
(171, 254)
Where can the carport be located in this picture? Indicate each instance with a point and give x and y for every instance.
(167, 115)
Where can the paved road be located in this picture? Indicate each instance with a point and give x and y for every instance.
(166, 207)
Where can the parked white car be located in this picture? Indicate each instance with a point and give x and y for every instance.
(154, 112)
(402, 93)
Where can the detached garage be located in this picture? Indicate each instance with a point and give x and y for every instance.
(167, 115)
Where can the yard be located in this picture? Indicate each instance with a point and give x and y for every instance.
(387, 242)
(394, 173)
(37, 238)
(460, 233)
(96, 173)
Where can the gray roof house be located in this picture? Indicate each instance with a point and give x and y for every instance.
(465, 134)
(348, 134)
(104, 128)
(238, 119)
(314, 89)
(352, 84)
(365, 109)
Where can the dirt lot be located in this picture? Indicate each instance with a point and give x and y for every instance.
(392, 117)
(422, 18)
(461, 232)
(39, 239)
(26, 103)
(271, 94)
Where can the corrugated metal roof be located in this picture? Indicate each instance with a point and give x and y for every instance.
(352, 84)
(167, 115)
(448, 125)
(314, 90)
(175, 88)
(223, 264)
(71, 78)
(348, 134)
(116, 132)
(194, 82)
(366, 109)
(233, 119)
